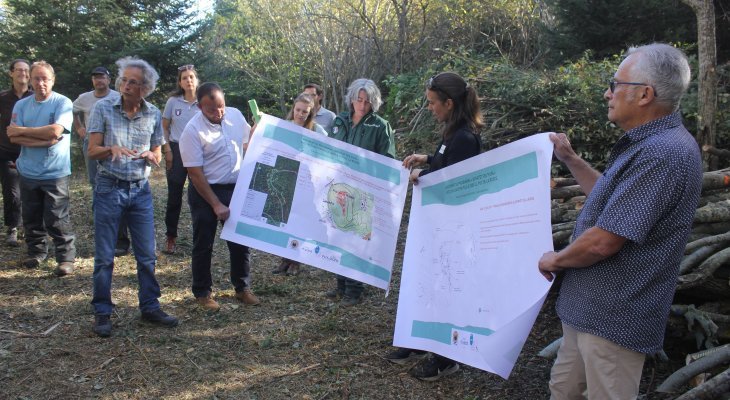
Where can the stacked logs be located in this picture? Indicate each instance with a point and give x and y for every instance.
(703, 285)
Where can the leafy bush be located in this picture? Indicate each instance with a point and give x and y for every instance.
(518, 102)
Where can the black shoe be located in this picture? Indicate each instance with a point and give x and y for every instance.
(33, 261)
(159, 317)
(121, 251)
(403, 356)
(349, 301)
(334, 293)
(102, 325)
(433, 368)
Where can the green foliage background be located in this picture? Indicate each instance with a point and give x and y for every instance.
(538, 65)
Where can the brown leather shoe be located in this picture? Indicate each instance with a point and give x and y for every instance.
(64, 268)
(208, 303)
(247, 297)
(170, 245)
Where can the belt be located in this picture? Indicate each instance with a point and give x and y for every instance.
(121, 182)
(229, 186)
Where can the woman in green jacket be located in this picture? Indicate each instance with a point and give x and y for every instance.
(363, 127)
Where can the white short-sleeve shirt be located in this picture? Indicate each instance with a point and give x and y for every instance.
(217, 148)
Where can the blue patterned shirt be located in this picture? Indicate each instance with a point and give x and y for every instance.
(142, 132)
(648, 194)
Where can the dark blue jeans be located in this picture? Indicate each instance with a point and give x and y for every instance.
(176, 177)
(205, 225)
(114, 200)
(10, 180)
(46, 212)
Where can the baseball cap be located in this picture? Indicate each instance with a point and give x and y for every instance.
(100, 71)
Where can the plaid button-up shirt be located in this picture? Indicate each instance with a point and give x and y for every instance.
(141, 133)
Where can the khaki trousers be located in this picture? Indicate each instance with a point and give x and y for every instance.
(591, 367)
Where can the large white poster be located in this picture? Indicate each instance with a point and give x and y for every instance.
(470, 288)
(320, 201)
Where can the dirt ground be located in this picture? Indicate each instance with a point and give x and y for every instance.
(297, 344)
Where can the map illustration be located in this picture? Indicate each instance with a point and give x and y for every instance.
(275, 186)
(350, 209)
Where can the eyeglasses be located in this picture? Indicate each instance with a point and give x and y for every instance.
(186, 67)
(130, 82)
(613, 83)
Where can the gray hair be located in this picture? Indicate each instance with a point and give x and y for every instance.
(150, 75)
(663, 67)
(370, 88)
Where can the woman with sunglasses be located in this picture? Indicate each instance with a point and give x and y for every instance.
(455, 104)
(180, 108)
(300, 114)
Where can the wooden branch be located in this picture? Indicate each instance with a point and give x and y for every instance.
(566, 192)
(692, 260)
(713, 228)
(713, 212)
(551, 351)
(566, 226)
(692, 246)
(704, 271)
(715, 180)
(560, 182)
(684, 374)
(715, 388)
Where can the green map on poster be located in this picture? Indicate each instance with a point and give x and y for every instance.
(279, 183)
(351, 209)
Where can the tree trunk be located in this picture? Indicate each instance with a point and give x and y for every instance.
(707, 77)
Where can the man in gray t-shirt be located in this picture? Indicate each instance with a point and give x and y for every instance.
(322, 116)
(101, 80)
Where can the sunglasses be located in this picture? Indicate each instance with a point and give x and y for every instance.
(430, 85)
(186, 67)
(613, 83)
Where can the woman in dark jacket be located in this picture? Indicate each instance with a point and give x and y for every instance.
(455, 104)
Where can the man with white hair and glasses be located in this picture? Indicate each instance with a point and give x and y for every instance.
(126, 136)
(620, 270)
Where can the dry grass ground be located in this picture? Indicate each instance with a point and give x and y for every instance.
(297, 344)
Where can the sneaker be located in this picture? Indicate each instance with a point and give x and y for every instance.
(159, 317)
(349, 301)
(208, 303)
(12, 239)
(102, 325)
(121, 251)
(247, 297)
(433, 368)
(33, 262)
(403, 356)
(170, 245)
(64, 268)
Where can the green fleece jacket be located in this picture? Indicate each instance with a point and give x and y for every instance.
(372, 133)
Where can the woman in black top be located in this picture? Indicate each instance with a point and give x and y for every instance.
(455, 104)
